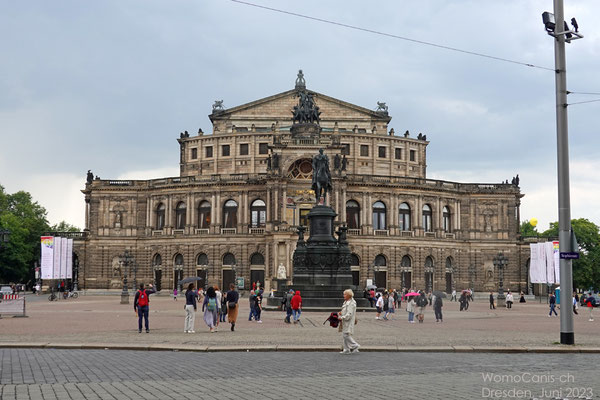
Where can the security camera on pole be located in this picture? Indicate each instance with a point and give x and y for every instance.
(557, 27)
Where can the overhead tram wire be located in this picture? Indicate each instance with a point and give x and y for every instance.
(358, 28)
(592, 93)
(583, 102)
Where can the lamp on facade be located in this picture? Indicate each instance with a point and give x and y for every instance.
(500, 262)
(4, 237)
(125, 260)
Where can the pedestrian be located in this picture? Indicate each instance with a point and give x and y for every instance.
(509, 300)
(175, 294)
(464, 302)
(219, 303)
(411, 307)
(386, 305)
(429, 298)
(232, 305)
(453, 298)
(296, 304)
(200, 294)
(396, 299)
(421, 304)
(372, 297)
(38, 288)
(348, 317)
(391, 307)
(379, 306)
(492, 304)
(211, 309)
(591, 303)
(223, 308)
(522, 299)
(552, 301)
(190, 309)
(437, 308)
(288, 306)
(141, 306)
(575, 304)
(258, 307)
(252, 303)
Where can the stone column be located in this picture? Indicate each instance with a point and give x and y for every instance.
(241, 208)
(284, 205)
(269, 219)
(276, 201)
(213, 212)
(343, 206)
(246, 222)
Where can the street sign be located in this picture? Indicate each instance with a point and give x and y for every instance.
(569, 255)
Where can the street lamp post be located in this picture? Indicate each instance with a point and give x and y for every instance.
(500, 262)
(125, 260)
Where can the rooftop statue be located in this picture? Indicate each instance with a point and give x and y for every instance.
(306, 112)
(300, 82)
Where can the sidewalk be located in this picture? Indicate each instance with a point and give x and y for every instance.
(101, 322)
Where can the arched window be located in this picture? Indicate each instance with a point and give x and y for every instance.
(257, 259)
(352, 214)
(258, 213)
(157, 260)
(380, 261)
(230, 209)
(427, 218)
(180, 213)
(179, 260)
(354, 260)
(202, 259)
(404, 217)
(204, 215)
(160, 216)
(378, 215)
(228, 259)
(446, 219)
(406, 262)
(449, 275)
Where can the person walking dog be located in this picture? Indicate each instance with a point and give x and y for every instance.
(348, 317)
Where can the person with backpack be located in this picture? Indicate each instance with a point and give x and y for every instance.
(379, 306)
(437, 308)
(590, 302)
(190, 309)
(232, 305)
(296, 304)
(421, 304)
(348, 317)
(211, 309)
(141, 306)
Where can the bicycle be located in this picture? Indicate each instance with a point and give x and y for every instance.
(67, 295)
(52, 297)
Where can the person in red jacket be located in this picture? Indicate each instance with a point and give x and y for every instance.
(296, 304)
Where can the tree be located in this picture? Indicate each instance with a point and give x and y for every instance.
(64, 226)
(528, 230)
(585, 270)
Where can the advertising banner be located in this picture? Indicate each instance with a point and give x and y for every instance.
(556, 261)
(63, 258)
(69, 258)
(56, 266)
(47, 243)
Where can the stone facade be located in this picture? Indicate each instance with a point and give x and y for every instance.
(244, 188)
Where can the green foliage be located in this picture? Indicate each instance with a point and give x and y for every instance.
(64, 226)
(586, 273)
(26, 220)
(528, 230)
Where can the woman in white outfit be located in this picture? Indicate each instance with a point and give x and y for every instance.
(348, 317)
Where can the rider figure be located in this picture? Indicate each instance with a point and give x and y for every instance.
(321, 181)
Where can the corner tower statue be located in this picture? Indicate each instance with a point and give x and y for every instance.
(321, 179)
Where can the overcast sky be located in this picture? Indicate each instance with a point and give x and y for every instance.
(108, 86)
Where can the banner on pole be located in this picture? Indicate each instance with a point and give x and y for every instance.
(57, 249)
(47, 243)
(69, 272)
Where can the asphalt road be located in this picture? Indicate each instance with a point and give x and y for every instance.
(105, 374)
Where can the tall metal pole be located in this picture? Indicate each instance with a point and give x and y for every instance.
(567, 335)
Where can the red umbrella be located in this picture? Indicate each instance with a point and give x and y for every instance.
(412, 294)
